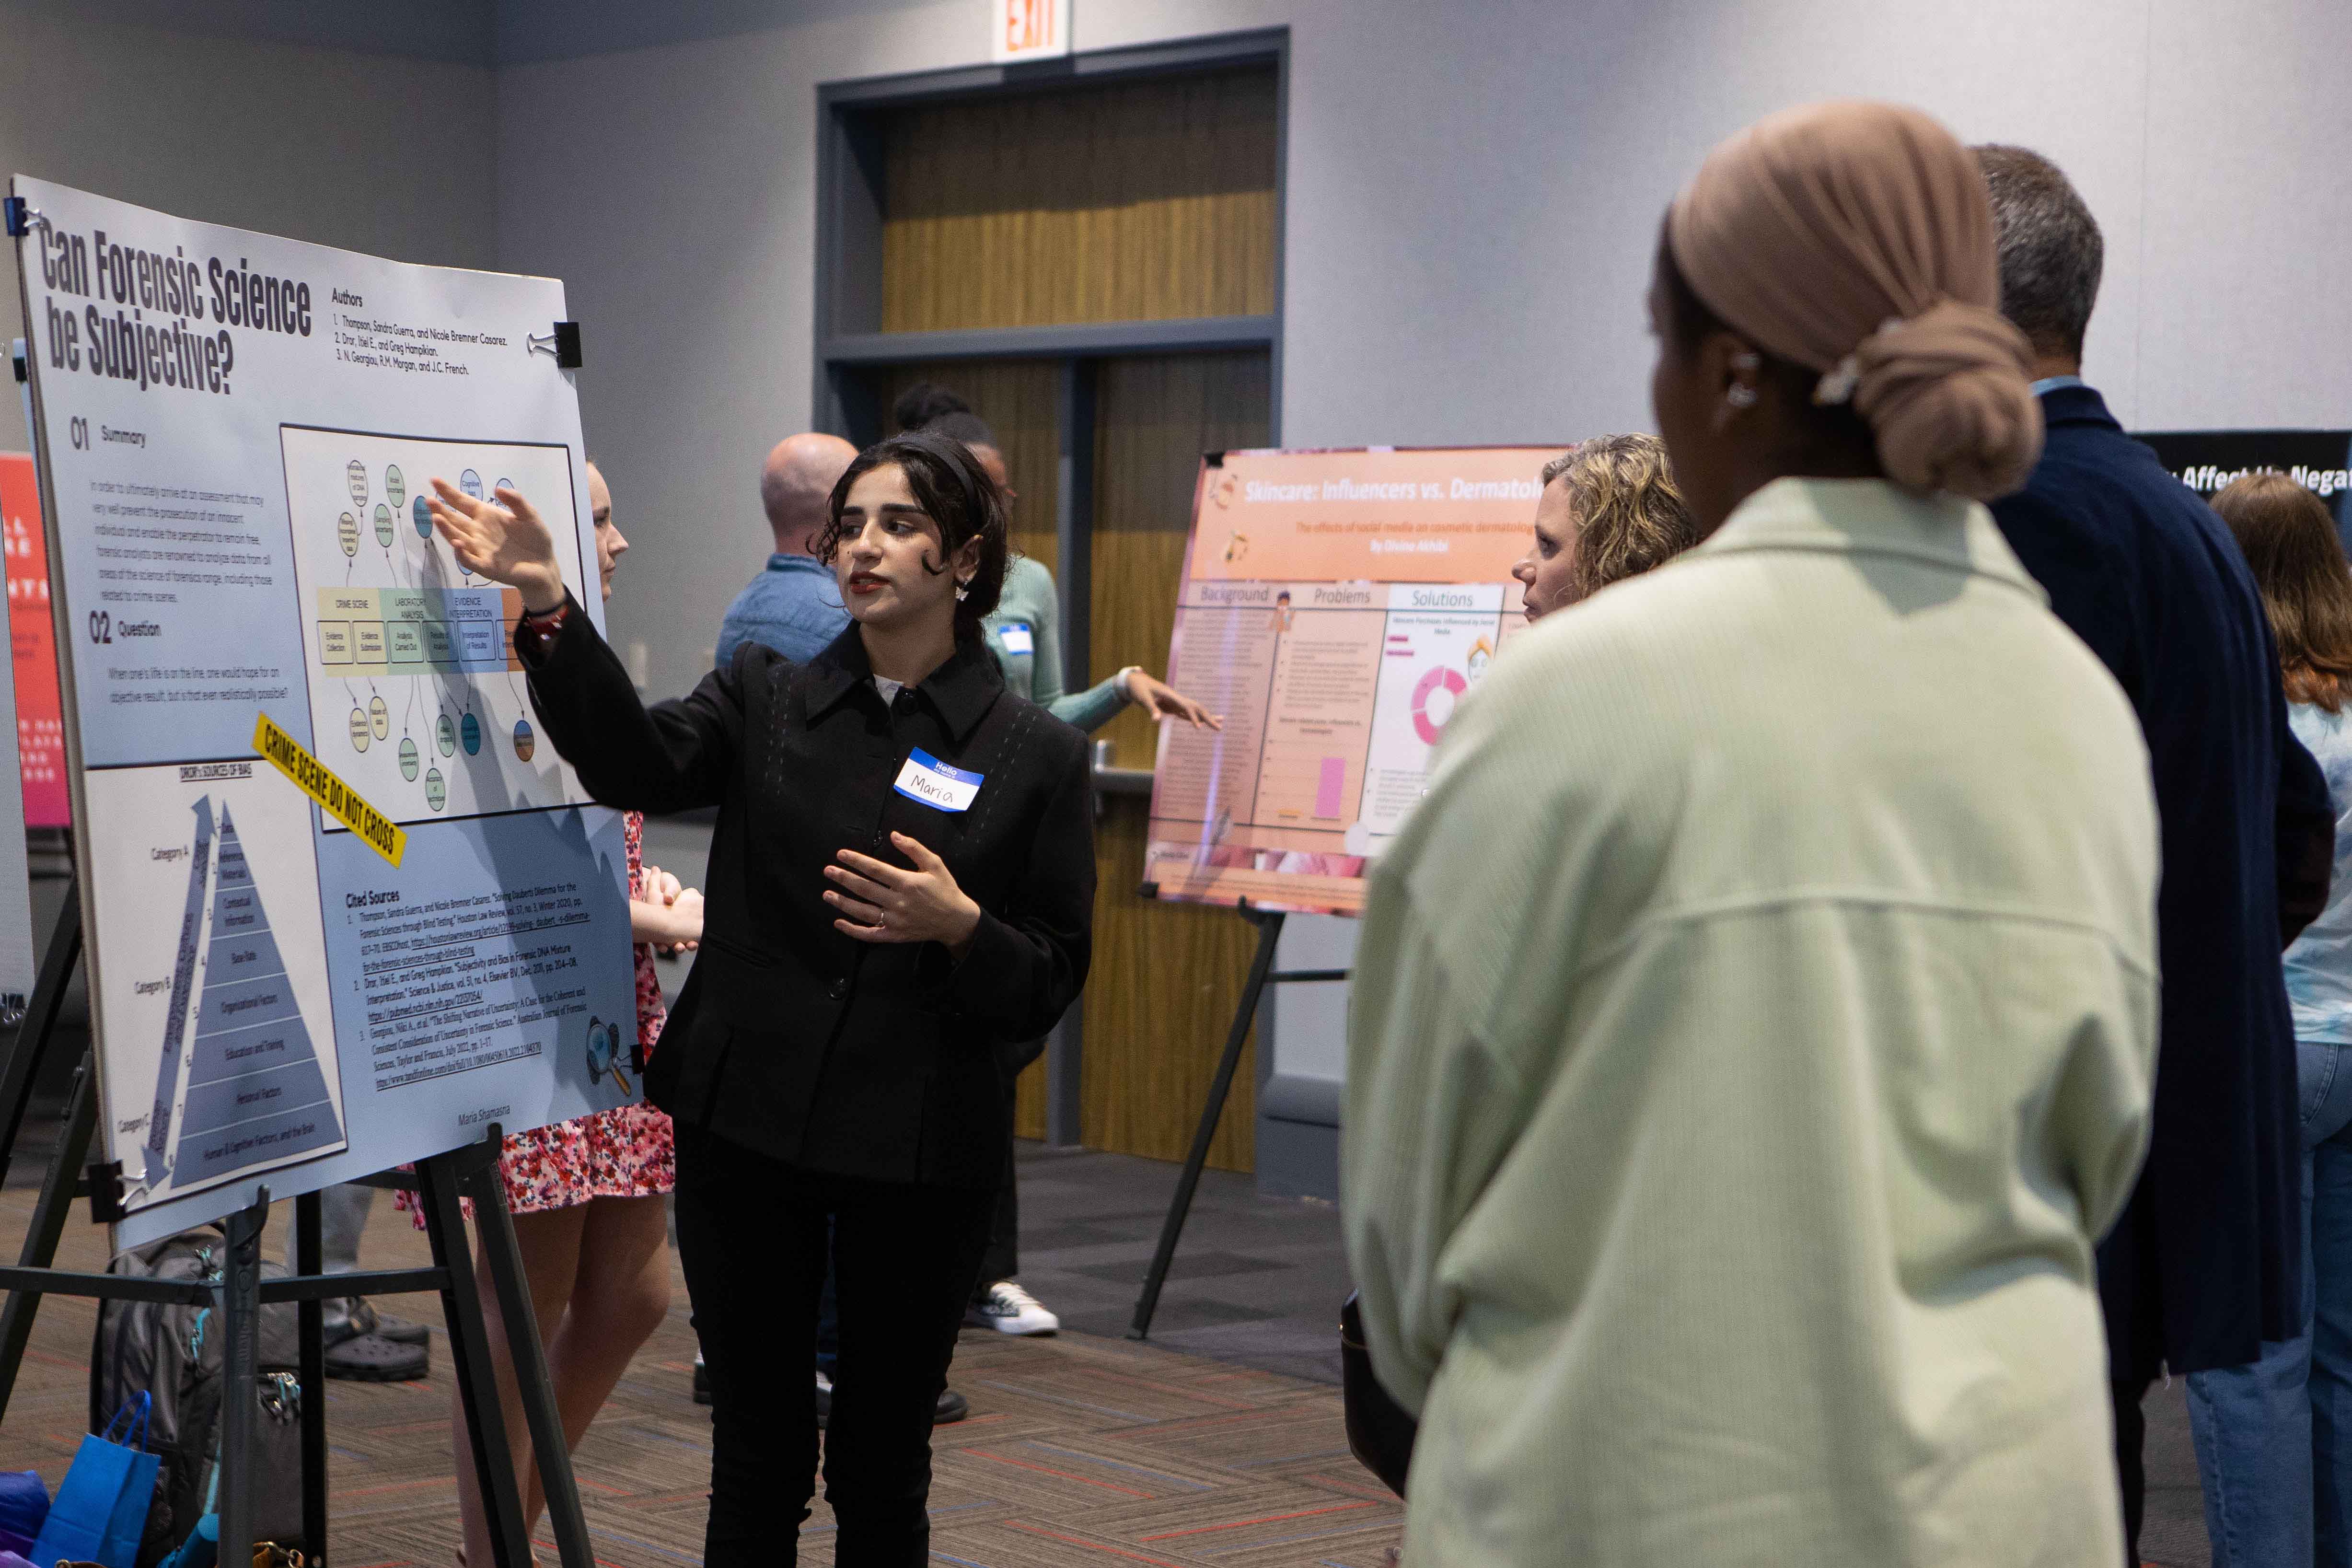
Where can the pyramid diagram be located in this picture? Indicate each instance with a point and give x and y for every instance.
(256, 1091)
(184, 971)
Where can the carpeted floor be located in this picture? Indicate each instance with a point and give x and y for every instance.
(1080, 1449)
(1218, 1443)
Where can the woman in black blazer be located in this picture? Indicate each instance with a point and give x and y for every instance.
(901, 883)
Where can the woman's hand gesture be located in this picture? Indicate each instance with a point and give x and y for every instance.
(505, 541)
(1161, 701)
(882, 903)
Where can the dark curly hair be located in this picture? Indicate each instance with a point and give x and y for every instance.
(955, 492)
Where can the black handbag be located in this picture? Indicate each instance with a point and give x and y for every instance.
(1379, 1431)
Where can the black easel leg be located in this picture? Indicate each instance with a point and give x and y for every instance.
(240, 1311)
(469, 1355)
(488, 1188)
(309, 1258)
(40, 1248)
(1269, 927)
(22, 1066)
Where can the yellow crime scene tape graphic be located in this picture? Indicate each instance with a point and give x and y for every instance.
(339, 800)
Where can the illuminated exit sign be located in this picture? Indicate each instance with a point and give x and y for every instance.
(1028, 29)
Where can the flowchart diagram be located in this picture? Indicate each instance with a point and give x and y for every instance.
(416, 696)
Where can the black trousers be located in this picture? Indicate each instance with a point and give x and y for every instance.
(751, 1233)
(2131, 1464)
(1002, 1258)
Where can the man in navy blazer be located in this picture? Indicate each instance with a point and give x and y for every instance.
(2206, 1263)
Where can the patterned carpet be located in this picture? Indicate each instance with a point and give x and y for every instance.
(1080, 1451)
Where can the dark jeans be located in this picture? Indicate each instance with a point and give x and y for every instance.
(2274, 1439)
(751, 1235)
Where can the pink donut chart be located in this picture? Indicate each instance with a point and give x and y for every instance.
(1432, 681)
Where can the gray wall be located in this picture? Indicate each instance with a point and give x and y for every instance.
(1473, 196)
(338, 143)
(1474, 191)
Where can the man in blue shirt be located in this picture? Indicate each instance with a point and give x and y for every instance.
(793, 607)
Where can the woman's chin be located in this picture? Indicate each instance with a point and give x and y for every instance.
(890, 613)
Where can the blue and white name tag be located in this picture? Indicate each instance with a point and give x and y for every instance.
(932, 782)
(1014, 636)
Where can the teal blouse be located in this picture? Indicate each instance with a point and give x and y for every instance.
(1022, 634)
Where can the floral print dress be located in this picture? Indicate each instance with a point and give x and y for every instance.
(623, 1153)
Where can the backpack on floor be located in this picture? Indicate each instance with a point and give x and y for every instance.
(174, 1354)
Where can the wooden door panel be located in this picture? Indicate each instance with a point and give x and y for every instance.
(1020, 399)
(1139, 201)
(1166, 976)
(1143, 200)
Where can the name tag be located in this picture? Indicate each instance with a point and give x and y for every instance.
(936, 785)
(1015, 638)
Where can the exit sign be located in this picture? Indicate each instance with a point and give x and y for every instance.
(1028, 29)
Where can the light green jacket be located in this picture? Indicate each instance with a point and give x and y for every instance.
(1029, 600)
(1754, 1025)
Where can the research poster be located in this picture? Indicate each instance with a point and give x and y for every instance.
(17, 954)
(32, 647)
(345, 908)
(1337, 607)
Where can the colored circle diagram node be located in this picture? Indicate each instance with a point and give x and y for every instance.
(1434, 698)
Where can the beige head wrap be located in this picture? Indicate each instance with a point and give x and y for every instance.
(1857, 239)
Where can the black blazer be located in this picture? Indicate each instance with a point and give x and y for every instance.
(788, 1037)
(2205, 1263)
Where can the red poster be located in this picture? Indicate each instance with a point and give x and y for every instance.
(33, 649)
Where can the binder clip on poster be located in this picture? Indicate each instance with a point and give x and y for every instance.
(20, 216)
(562, 342)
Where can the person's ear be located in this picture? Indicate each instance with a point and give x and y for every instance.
(967, 558)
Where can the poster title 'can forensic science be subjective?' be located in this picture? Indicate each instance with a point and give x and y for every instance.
(124, 344)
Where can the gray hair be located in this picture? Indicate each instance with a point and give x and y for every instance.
(2050, 247)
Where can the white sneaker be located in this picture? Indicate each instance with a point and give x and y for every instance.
(1010, 1309)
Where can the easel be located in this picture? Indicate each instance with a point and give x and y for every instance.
(1262, 975)
(439, 1183)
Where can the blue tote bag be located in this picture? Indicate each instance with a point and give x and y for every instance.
(102, 1507)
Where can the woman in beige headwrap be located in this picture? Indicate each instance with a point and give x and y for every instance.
(1755, 1021)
